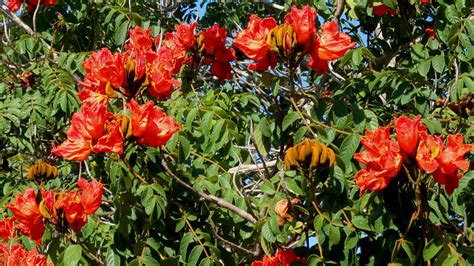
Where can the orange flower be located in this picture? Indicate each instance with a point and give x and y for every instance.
(382, 160)
(281, 209)
(430, 32)
(451, 160)
(91, 195)
(333, 44)
(90, 132)
(7, 229)
(253, 42)
(428, 151)
(26, 212)
(408, 132)
(150, 125)
(303, 22)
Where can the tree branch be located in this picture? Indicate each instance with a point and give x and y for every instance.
(4, 9)
(220, 202)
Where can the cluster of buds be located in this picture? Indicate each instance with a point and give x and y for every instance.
(42, 171)
(282, 40)
(309, 154)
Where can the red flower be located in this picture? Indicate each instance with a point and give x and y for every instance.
(34, 258)
(150, 125)
(26, 212)
(281, 258)
(333, 44)
(382, 160)
(430, 32)
(381, 10)
(450, 161)
(91, 195)
(428, 151)
(7, 229)
(73, 210)
(90, 132)
(104, 72)
(253, 42)
(214, 40)
(11, 255)
(184, 36)
(408, 132)
(14, 5)
(425, 1)
(303, 22)
(140, 39)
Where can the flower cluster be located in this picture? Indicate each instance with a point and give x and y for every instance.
(16, 255)
(383, 157)
(14, 5)
(263, 40)
(58, 208)
(281, 257)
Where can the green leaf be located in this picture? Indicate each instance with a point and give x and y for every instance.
(361, 222)
(194, 255)
(348, 147)
(409, 250)
(293, 187)
(433, 248)
(289, 119)
(334, 235)
(267, 233)
(72, 255)
(438, 63)
(121, 33)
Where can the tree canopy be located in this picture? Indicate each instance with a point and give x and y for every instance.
(243, 133)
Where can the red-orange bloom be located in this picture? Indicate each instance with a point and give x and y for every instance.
(428, 151)
(217, 53)
(104, 72)
(140, 39)
(150, 125)
(382, 160)
(73, 210)
(253, 42)
(281, 258)
(91, 195)
(26, 211)
(14, 5)
(90, 132)
(382, 9)
(184, 36)
(303, 22)
(32, 257)
(430, 32)
(451, 161)
(7, 229)
(333, 44)
(408, 132)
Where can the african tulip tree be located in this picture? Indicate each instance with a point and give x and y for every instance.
(138, 133)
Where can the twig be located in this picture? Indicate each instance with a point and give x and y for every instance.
(340, 5)
(4, 9)
(220, 202)
(232, 245)
(34, 15)
(244, 168)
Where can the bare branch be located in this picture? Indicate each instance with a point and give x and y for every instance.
(220, 202)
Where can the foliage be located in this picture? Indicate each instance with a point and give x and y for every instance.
(208, 196)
